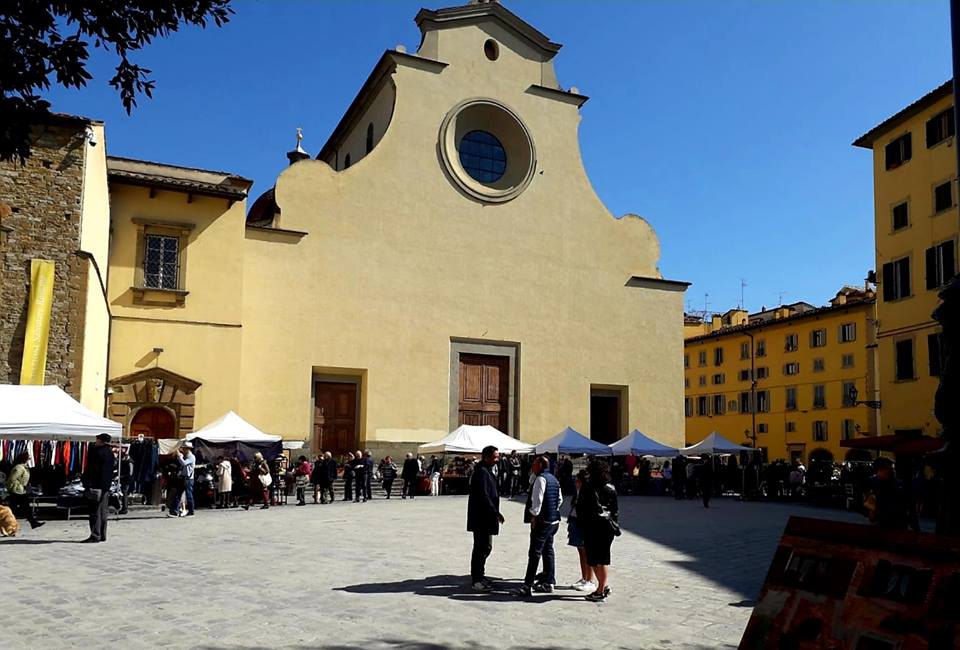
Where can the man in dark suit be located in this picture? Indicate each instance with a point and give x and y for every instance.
(99, 476)
(409, 474)
(368, 474)
(483, 516)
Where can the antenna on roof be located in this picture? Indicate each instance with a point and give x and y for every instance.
(743, 285)
(780, 297)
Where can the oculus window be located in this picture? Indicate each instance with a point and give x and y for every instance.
(482, 156)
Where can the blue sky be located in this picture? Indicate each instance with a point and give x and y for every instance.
(727, 124)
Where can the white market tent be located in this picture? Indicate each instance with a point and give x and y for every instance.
(231, 428)
(471, 439)
(48, 413)
(641, 445)
(714, 444)
(569, 441)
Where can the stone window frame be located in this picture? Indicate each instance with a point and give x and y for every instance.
(144, 295)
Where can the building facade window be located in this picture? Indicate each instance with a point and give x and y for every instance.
(790, 427)
(847, 333)
(847, 389)
(719, 405)
(818, 338)
(896, 279)
(791, 343)
(899, 151)
(688, 406)
(161, 262)
(940, 264)
(935, 354)
(763, 372)
(820, 430)
(904, 360)
(940, 127)
(719, 379)
(943, 197)
(703, 380)
(718, 356)
(901, 216)
(745, 402)
(761, 348)
(483, 156)
(745, 350)
(819, 365)
(847, 361)
(819, 396)
(849, 429)
(791, 399)
(763, 401)
(686, 382)
(762, 427)
(745, 375)
(686, 361)
(702, 358)
(703, 405)
(733, 406)
(792, 368)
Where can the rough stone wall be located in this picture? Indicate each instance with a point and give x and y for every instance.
(40, 204)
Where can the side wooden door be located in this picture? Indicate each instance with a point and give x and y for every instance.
(336, 431)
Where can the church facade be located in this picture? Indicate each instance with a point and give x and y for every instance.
(442, 260)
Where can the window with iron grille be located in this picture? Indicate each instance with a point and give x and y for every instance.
(848, 333)
(819, 396)
(818, 338)
(847, 361)
(791, 343)
(820, 430)
(899, 151)
(161, 262)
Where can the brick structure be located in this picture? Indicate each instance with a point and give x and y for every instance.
(40, 211)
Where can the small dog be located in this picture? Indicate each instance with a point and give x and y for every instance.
(8, 523)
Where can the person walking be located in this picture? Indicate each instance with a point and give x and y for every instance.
(597, 517)
(483, 516)
(575, 537)
(301, 474)
(348, 476)
(331, 468)
(188, 463)
(17, 482)
(224, 482)
(359, 478)
(433, 471)
(260, 479)
(542, 512)
(409, 473)
(514, 474)
(388, 473)
(318, 477)
(368, 475)
(705, 479)
(97, 479)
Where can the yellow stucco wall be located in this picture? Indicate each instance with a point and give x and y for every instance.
(908, 404)
(398, 262)
(736, 426)
(201, 338)
(95, 239)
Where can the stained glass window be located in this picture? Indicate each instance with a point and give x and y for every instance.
(482, 156)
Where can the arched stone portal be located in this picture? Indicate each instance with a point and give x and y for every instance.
(154, 398)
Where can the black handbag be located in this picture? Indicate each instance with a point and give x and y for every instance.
(607, 516)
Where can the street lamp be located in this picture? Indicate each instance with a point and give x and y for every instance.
(852, 395)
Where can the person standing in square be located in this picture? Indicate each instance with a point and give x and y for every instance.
(483, 516)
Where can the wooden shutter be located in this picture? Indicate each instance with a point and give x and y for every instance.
(888, 282)
(903, 274)
(932, 268)
(907, 151)
(947, 259)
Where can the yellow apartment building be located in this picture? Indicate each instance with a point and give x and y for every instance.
(781, 379)
(915, 207)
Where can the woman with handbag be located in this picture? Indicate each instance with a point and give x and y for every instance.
(260, 479)
(597, 515)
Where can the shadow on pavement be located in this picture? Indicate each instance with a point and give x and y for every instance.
(39, 541)
(400, 644)
(456, 588)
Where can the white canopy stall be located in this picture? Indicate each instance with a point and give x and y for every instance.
(471, 439)
(231, 435)
(714, 444)
(48, 413)
(570, 441)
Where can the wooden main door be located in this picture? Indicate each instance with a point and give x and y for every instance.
(484, 390)
(336, 431)
(153, 422)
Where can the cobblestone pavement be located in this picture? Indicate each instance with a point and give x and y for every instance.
(381, 575)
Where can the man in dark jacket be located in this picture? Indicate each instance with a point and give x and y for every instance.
(359, 478)
(483, 516)
(409, 474)
(99, 476)
(368, 473)
(330, 467)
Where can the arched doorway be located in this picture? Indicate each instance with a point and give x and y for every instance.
(153, 422)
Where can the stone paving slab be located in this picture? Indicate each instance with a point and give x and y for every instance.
(385, 575)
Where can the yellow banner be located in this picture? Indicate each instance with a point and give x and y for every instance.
(35, 339)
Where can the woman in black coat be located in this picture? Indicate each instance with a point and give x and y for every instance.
(597, 516)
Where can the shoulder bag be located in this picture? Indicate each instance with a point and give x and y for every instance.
(605, 515)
